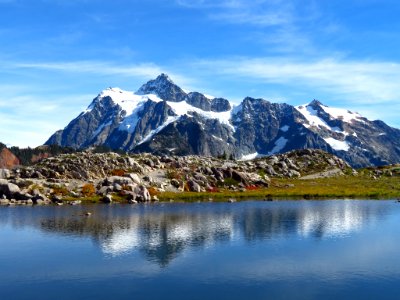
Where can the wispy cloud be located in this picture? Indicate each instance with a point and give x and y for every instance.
(29, 115)
(143, 71)
(260, 13)
(358, 81)
(286, 21)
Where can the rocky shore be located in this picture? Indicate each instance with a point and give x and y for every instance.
(108, 177)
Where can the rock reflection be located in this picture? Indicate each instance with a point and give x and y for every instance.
(163, 232)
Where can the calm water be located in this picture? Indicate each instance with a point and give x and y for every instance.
(248, 250)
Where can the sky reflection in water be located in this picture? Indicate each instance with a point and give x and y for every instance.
(280, 250)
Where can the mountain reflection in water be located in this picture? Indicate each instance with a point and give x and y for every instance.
(162, 232)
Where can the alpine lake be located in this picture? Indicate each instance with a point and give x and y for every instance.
(297, 249)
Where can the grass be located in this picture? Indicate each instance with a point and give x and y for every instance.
(353, 187)
(324, 188)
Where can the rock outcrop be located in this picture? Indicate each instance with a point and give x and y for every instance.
(138, 178)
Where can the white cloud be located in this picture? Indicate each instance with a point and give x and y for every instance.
(358, 81)
(259, 12)
(143, 71)
(28, 117)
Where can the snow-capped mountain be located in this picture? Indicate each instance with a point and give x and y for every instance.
(162, 118)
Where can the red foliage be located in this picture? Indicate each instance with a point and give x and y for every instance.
(252, 188)
(213, 190)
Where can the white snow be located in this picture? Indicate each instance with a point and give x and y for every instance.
(217, 138)
(312, 116)
(337, 145)
(285, 128)
(279, 145)
(249, 156)
(158, 129)
(183, 108)
(209, 97)
(335, 113)
(128, 101)
(339, 113)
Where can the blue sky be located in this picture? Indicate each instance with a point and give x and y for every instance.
(57, 55)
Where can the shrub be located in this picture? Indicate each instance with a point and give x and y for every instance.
(88, 190)
(153, 191)
(60, 190)
(118, 172)
(173, 174)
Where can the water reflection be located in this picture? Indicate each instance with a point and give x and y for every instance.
(163, 232)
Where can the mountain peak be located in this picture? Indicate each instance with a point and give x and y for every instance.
(163, 77)
(315, 102)
(164, 88)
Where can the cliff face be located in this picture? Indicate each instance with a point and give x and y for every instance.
(7, 159)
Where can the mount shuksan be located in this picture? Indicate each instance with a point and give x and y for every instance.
(164, 119)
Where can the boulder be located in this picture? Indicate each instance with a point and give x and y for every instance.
(4, 201)
(194, 186)
(142, 194)
(135, 178)
(5, 174)
(9, 189)
(104, 190)
(111, 181)
(238, 176)
(107, 198)
(175, 183)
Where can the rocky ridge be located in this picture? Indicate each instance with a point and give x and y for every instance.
(139, 178)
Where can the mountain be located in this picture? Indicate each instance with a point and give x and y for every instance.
(162, 118)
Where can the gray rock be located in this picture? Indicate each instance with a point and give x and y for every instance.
(194, 186)
(117, 187)
(4, 201)
(142, 194)
(9, 189)
(111, 181)
(107, 198)
(5, 174)
(135, 178)
(104, 190)
(175, 183)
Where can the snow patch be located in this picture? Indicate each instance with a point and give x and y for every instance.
(279, 145)
(250, 156)
(159, 128)
(183, 108)
(217, 138)
(340, 113)
(313, 119)
(312, 116)
(337, 145)
(284, 128)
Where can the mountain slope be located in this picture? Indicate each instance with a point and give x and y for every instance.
(163, 118)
